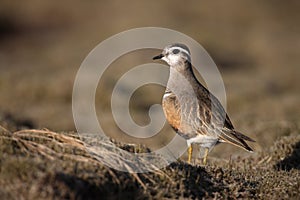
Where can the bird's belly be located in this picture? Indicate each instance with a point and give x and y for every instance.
(203, 140)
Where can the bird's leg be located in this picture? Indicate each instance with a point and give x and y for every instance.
(205, 156)
(190, 152)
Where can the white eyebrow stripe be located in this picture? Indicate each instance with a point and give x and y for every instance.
(181, 49)
(167, 94)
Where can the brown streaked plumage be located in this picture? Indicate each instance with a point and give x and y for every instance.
(192, 111)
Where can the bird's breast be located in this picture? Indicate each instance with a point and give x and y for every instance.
(176, 118)
(171, 110)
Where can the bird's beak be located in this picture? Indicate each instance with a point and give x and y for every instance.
(158, 57)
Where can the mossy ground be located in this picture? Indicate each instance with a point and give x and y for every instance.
(41, 164)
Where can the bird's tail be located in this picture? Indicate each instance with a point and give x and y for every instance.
(236, 138)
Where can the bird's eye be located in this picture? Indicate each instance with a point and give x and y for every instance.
(175, 51)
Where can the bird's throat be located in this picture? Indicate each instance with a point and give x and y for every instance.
(181, 79)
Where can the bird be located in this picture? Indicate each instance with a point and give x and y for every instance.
(192, 110)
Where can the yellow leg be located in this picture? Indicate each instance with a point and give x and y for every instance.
(205, 156)
(190, 152)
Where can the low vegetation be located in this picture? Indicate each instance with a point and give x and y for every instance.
(41, 164)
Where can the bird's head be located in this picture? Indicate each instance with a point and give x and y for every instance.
(175, 55)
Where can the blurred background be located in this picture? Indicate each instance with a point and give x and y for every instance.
(254, 43)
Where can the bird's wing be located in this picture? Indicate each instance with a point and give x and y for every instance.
(235, 138)
(214, 114)
(211, 110)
